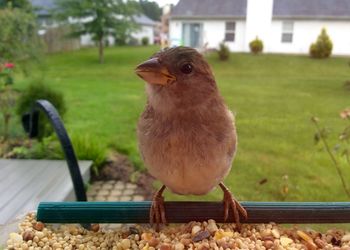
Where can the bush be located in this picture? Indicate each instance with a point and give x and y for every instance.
(8, 97)
(224, 52)
(322, 48)
(256, 46)
(48, 148)
(132, 41)
(18, 35)
(89, 148)
(145, 41)
(39, 90)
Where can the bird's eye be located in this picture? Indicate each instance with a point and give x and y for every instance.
(186, 68)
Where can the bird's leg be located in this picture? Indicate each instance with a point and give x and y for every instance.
(157, 211)
(230, 201)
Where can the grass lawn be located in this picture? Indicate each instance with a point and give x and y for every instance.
(273, 97)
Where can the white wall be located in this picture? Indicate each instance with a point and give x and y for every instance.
(213, 33)
(259, 22)
(175, 32)
(306, 32)
(259, 17)
(144, 31)
(86, 40)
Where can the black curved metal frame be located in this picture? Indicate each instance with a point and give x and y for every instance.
(30, 123)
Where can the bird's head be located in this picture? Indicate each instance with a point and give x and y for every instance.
(177, 77)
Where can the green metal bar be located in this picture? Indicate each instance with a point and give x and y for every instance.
(182, 212)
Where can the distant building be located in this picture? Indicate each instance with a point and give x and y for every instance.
(147, 28)
(43, 10)
(285, 26)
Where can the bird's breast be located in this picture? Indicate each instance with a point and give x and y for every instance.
(189, 156)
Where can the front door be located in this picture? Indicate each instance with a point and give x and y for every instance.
(192, 34)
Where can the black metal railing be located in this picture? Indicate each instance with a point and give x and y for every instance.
(31, 126)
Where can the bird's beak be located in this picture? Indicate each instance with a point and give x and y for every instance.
(152, 71)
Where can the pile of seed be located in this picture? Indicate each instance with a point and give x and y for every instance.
(194, 235)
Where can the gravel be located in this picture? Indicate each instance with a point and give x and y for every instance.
(34, 235)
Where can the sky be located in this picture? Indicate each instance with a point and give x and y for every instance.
(164, 2)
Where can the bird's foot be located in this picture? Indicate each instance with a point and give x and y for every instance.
(230, 201)
(157, 211)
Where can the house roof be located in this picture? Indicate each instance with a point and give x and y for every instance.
(144, 20)
(210, 9)
(307, 9)
(303, 9)
(43, 7)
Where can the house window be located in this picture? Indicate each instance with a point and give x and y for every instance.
(287, 32)
(192, 34)
(230, 31)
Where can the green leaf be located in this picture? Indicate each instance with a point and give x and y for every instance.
(19, 39)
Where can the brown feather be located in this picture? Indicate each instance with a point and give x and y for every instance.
(186, 133)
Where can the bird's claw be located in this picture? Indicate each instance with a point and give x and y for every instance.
(231, 202)
(157, 211)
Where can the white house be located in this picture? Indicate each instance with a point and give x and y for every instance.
(285, 26)
(44, 8)
(146, 28)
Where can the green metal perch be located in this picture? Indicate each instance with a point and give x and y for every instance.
(182, 212)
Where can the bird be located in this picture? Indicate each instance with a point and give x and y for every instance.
(186, 133)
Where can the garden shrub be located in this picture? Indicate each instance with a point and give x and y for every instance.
(256, 46)
(340, 153)
(145, 41)
(89, 148)
(8, 96)
(323, 46)
(223, 52)
(40, 90)
(85, 148)
(132, 41)
(48, 148)
(19, 39)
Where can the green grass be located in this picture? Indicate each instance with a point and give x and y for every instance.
(273, 97)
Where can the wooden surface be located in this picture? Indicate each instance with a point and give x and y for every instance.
(25, 183)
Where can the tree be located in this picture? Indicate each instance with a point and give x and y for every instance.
(20, 4)
(20, 43)
(151, 9)
(99, 18)
(322, 48)
(19, 40)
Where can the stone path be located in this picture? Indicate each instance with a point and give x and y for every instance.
(113, 191)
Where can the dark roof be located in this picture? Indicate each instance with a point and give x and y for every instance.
(43, 7)
(210, 8)
(303, 9)
(143, 20)
(332, 9)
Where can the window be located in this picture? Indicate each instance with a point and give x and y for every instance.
(230, 31)
(287, 32)
(192, 34)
